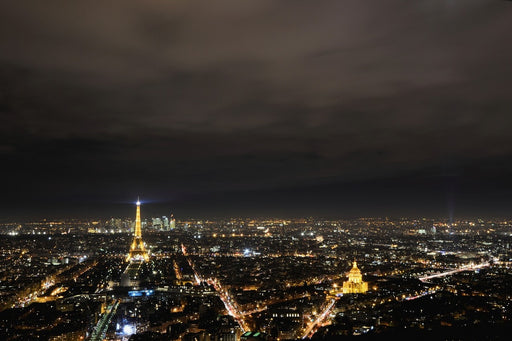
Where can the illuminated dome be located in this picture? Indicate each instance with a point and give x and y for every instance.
(355, 284)
(354, 274)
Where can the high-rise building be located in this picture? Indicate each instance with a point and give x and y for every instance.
(355, 284)
(138, 251)
(172, 224)
(157, 223)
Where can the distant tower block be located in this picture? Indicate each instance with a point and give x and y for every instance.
(172, 224)
(355, 284)
(138, 251)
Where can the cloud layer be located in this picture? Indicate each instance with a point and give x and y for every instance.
(190, 98)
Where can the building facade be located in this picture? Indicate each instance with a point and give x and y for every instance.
(355, 284)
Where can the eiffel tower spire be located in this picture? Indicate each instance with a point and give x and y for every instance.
(137, 249)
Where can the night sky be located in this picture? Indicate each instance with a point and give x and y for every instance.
(256, 108)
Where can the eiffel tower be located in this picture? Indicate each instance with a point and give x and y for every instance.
(138, 251)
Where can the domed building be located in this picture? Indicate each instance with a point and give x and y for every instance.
(355, 284)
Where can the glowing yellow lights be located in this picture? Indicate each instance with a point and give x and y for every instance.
(137, 249)
(355, 284)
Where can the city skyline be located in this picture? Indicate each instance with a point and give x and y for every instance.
(280, 279)
(255, 170)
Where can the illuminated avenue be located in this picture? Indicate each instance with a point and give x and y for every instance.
(232, 279)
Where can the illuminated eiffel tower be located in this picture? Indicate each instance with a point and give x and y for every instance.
(138, 252)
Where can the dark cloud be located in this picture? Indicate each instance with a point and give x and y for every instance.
(201, 99)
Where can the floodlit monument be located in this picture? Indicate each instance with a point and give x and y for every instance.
(355, 284)
(138, 251)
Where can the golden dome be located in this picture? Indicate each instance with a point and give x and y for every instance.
(355, 270)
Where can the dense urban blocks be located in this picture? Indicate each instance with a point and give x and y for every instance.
(285, 279)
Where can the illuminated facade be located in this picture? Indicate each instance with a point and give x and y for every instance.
(138, 251)
(173, 222)
(355, 284)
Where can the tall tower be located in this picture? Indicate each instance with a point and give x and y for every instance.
(138, 252)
